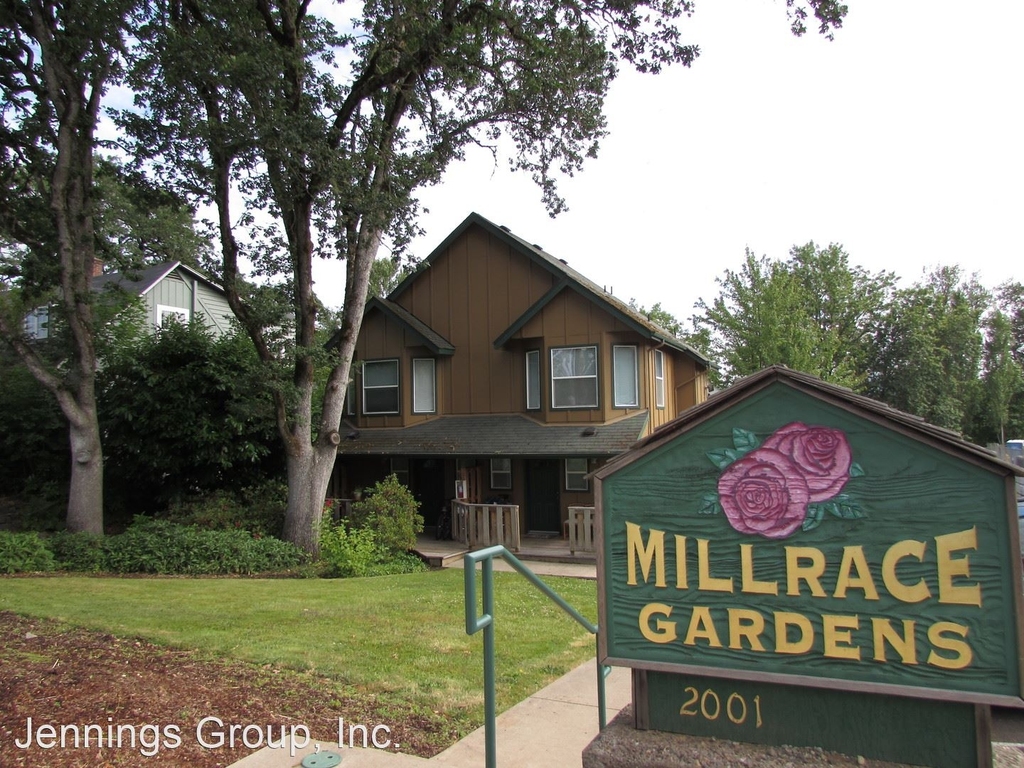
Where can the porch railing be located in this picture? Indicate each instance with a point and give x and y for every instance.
(486, 525)
(581, 529)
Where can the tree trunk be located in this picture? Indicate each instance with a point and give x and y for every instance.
(85, 499)
(309, 474)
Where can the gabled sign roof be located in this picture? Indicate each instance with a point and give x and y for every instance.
(790, 531)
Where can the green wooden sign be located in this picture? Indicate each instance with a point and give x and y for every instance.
(797, 535)
(934, 733)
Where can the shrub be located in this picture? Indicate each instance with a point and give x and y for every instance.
(392, 512)
(163, 547)
(258, 509)
(346, 551)
(22, 552)
(81, 552)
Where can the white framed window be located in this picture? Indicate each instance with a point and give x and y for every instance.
(659, 378)
(380, 386)
(37, 323)
(576, 475)
(533, 380)
(501, 474)
(574, 377)
(165, 313)
(626, 389)
(350, 398)
(424, 388)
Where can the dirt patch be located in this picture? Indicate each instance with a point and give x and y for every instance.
(64, 676)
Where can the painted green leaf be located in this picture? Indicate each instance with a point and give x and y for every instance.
(709, 504)
(722, 458)
(815, 514)
(744, 440)
(856, 470)
(845, 508)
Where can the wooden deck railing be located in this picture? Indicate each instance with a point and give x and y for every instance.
(486, 525)
(581, 529)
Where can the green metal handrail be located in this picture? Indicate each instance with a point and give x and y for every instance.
(485, 621)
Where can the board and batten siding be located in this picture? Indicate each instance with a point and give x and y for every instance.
(193, 296)
(470, 295)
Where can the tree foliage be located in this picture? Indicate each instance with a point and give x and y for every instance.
(184, 414)
(927, 349)
(58, 59)
(813, 313)
(325, 133)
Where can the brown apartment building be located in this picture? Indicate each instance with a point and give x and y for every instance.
(497, 373)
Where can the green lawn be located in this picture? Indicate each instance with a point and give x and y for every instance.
(402, 638)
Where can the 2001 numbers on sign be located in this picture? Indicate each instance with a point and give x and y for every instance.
(709, 706)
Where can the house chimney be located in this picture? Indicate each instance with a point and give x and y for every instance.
(97, 267)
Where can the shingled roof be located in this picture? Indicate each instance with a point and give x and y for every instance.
(139, 282)
(501, 435)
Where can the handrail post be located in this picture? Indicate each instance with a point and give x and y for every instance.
(490, 686)
(485, 621)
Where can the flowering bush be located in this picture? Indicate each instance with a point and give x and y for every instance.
(787, 483)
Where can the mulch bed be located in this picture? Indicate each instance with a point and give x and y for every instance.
(66, 676)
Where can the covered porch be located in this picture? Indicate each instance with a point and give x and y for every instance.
(440, 553)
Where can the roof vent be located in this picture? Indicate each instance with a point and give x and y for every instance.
(538, 247)
(506, 229)
(589, 432)
(564, 262)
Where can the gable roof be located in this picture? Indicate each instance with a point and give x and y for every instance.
(431, 339)
(142, 281)
(565, 278)
(873, 410)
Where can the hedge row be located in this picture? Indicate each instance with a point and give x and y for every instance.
(149, 546)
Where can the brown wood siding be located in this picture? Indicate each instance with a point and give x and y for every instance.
(470, 295)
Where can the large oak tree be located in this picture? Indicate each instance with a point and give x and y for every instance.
(57, 59)
(309, 140)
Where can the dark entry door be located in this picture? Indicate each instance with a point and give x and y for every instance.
(543, 508)
(428, 487)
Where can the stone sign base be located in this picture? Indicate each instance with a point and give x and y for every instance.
(620, 745)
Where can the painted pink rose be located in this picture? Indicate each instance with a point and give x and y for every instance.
(821, 453)
(764, 493)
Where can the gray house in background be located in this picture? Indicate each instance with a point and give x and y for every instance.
(171, 289)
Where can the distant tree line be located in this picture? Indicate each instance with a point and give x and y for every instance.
(944, 348)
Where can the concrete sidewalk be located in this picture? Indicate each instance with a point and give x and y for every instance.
(547, 730)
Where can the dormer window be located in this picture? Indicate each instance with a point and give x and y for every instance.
(424, 391)
(380, 387)
(659, 378)
(626, 391)
(574, 377)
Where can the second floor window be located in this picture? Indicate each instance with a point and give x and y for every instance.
(574, 377)
(380, 386)
(659, 378)
(625, 385)
(165, 313)
(424, 398)
(533, 380)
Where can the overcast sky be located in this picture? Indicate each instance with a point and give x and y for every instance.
(901, 140)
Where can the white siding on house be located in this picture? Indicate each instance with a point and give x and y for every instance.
(213, 308)
(199, 300)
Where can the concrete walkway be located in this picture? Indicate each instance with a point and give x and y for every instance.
(548, 730)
